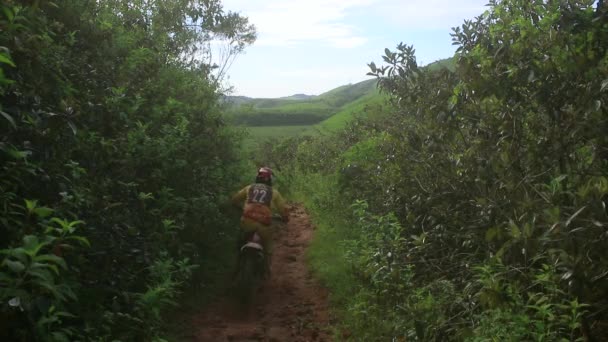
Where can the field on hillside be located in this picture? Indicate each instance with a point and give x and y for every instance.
(267, 118)
(260, 134)
(367, 105)
(264, 132)
(328, 111)
(287, 112)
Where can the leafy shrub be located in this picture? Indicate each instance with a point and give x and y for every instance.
(487, 183)
(113, 161)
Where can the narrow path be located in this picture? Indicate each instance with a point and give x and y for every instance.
(290, 306)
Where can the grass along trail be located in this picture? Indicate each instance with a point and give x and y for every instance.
(290, 306)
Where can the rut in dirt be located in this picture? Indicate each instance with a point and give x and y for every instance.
(290, 306)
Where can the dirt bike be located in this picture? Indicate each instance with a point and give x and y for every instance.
(252, 267)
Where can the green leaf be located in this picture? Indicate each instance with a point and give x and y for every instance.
(373, 67)
(43, 211)
(32, 245)
(64, 314)
(30, 205)
(145, 196)
(8, 13)
(75, 223)
(501, 252)
(60, 222)
(16, 154)
(18, 253)
(9, 118)
(53, 268)
(84, 241)
(52, 258)
(42, 275)
(528, 230)
(53, 290)
(6, 59)
(15, 266)
(492, 233)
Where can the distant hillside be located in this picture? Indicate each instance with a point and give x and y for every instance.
(372, 103)
(330, 110)
(298, 97)
(448, 63)
(264, 102)
(299, 109)
(340, 96)
(236, 100)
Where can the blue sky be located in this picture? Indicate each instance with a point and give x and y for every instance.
(313, 46)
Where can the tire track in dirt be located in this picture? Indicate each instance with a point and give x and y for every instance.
(290, 306)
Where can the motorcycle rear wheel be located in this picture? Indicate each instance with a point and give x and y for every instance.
(248, 277)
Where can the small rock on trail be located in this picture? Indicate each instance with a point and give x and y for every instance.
(290, 306)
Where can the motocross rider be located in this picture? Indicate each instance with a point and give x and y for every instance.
(259, 200)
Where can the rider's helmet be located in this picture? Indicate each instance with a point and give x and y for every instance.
(264, 176)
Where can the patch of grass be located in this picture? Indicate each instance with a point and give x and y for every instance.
(260, 134)
(264, 132)
(368, 105)
(348, 93)
(327, 252)
(326, 245)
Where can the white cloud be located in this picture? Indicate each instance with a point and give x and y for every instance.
(290, 22)
(311, 46)
(324, 73)
(284, 23)
(428, 14)
(348, 42)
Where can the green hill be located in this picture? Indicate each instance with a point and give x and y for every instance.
(298, 109)
(307, 114)
(368, 104)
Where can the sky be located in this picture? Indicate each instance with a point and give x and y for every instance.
(312, 46)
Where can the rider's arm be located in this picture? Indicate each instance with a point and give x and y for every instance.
(278, 203)
(239, 198)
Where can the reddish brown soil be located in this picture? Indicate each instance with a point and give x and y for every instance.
(290, 306)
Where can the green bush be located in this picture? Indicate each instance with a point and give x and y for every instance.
(114, 159)
(487, 185)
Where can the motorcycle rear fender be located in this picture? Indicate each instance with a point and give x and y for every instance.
(253, 245)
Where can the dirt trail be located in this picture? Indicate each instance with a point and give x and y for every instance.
(290, 306)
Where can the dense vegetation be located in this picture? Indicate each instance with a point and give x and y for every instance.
(113, 161)
(477, 208)
(473, 206)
